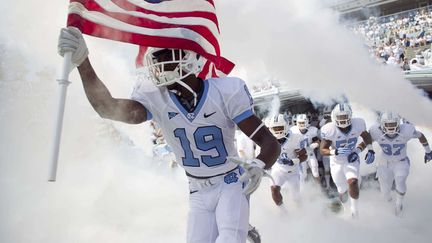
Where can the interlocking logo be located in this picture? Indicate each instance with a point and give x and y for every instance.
(231, 178)
(191, 116)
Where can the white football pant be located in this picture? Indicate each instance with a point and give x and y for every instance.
(390, 171)
(342, 172)
(291, 179)
(218, 210)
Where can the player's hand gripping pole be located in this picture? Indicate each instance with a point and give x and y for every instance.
(254, 171)
(63, 81)
(72, 47)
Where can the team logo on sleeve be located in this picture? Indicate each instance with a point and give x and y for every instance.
(249, 94)
(172, 115)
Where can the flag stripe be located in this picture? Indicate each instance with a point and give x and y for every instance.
(173, 6)
(90, 28)
(102, 19)
(141, 20)
(121, 6)
(180, 24)
(175, 13)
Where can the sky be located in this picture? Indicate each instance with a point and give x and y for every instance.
(109, 189)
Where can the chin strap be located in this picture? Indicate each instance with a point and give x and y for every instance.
(190, 90)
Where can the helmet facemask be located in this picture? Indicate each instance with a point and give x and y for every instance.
(277, 126)
(343, 121)
(341, 115)
(278, 131)
(390, 123)
(391, 128)
(186, 63)
(302, 122)
(166, 68)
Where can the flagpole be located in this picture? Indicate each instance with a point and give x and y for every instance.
(63, 81)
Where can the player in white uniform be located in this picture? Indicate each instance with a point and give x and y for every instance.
(286, 170)
(392, 136)
(309, 141)
(198, 119)
(325, 159)
(342, 136)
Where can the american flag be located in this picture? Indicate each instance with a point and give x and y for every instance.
(180, 24)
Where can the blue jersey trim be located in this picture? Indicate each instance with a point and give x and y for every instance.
(242, 116)
(191, 115)
(149, 115)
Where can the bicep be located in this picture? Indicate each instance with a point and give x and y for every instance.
(129, 111)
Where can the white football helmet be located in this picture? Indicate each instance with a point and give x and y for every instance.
(390, 123)
(302, 122)
(188, 62)
(277, 126)
(341, 115)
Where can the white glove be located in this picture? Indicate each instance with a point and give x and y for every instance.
(254, 171)
(314, 146)
(71, 40)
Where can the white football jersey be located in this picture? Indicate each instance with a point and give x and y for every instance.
(203, 138)
(339, 139)
(306, 138)
(292, 143)
(394, 149)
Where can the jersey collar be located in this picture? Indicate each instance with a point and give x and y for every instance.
(191, 115)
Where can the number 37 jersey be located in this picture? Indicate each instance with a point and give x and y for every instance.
(394, 149)
(203, 138)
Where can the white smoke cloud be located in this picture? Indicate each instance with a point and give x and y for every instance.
(110, 190)
(302, 44)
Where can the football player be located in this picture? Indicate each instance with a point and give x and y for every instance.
(392, 137)
(340, 138)
(286, 170)
(198, 120)
(309, 142)
(326, 118)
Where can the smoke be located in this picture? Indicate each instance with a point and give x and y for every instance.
(303, 45)
(110, 190)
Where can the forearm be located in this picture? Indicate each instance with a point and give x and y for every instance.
(326, 151)
(367, 139)
(425, 143)
(270, 151)
(325, 148)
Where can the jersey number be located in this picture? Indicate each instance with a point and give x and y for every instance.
(350, 143)
(205, 138)
(304, 143)
(388, 149)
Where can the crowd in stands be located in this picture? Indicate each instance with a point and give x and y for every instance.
(390, 37)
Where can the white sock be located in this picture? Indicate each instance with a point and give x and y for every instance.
(354, 202)
(399, 199)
